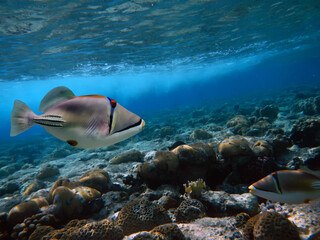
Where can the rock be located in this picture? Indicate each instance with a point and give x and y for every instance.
(47, 171)
(305, 216)
(211, 229)
(199, 134)
(176, 144)
(3, 173)
(33, 187)
(269, 111)
(60, 153)
(166, 131)
(131, 156)
(306, 133)
(8, 188)
(220, 203)
(188, 210)
(309, 106)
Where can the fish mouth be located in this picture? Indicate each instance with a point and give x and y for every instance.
(252, 189)
(143, 124)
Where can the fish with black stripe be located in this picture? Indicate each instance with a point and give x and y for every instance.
(89, 121)
(288, 186)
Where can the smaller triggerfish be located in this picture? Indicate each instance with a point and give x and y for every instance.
(89, 121)
(288, 186)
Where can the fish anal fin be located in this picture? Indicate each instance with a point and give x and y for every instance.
(56, 95)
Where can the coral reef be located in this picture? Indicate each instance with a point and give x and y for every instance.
(306, 133)
(105, 229)
(239, 123)
(270, 226)
(188, 210)
(23, 210)
(97, 178)
(165, 184)
(141, 215)
(195, 188)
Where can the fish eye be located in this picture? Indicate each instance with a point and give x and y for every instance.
(113, 103)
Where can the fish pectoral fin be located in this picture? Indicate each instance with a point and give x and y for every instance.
(316, 185)
(97, 127)
(50, 120)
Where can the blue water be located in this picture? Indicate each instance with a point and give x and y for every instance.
(151, 55)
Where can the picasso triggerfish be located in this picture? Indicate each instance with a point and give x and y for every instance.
(89, 121)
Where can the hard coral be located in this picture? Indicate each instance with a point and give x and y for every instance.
(234, 147)
(31, 224)
(189, 210)
(235, 152)
(23, 210)
(170, 231)
(163, 169)
(61, 182)
(105, 229)
(270, 226)
(66, 203)
(195, 161)
(141, 215)
(239, 123)
(262, 148)
(40, 232)
(131, 156)
(179, 165)
(306, 133)
(97, 178)
(195, 188)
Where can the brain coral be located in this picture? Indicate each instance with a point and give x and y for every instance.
(23, 210)
(270, 226)
(141, 215)
(97, 178)
(66, 203)
(163, 169)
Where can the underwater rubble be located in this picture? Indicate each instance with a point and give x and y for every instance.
(181, 178)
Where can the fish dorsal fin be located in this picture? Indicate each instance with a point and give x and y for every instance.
(56, 95)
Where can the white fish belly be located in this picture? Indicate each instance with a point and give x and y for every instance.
(76, 134)
(291, 198)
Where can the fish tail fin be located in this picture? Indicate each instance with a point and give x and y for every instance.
(21, 118)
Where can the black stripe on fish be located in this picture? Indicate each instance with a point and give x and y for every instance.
(50, 120)
(131, 126)
(113, 105)
(275, 178)
(53, 115)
